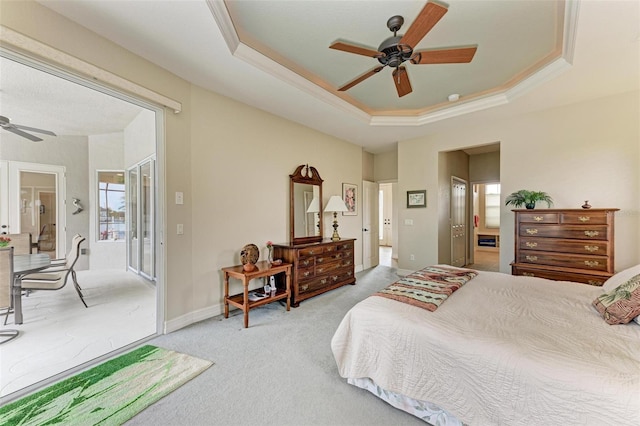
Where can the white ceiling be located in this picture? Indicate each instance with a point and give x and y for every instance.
(194, 40)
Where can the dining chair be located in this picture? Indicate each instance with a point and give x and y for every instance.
(55, 277)
(6, 277)
(21, 243)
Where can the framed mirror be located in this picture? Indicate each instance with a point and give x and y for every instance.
(305, 210)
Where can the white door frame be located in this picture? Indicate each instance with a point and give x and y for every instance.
(12, 183)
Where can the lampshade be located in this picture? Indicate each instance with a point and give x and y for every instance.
(336, 204)
(314, 207)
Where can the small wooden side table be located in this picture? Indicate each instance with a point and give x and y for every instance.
(263, 269)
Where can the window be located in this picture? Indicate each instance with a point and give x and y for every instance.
(111, 198)
(492, 205)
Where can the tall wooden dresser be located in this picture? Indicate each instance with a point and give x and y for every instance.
(317, 267)
(568, 245)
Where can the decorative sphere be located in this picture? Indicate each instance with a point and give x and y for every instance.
(249, 254)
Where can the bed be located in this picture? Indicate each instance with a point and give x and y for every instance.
(501, 350)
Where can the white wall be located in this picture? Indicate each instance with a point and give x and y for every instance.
(106, 152)
(140, 138)
(585, 151)
(70, 152)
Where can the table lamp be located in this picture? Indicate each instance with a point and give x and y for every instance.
(336, 204)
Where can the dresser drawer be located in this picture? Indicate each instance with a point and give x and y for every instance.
(560, 276)
(310, 251)
(586, 232)
(306, 262)
(586, 218)
(327, 267)
(539, 217)
(348, 245)
(592, 263)
(328, 257)
(306, 273)
(597, 247)
(314, 284)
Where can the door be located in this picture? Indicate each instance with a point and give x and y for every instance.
(386, 214)
(141, 218)
(22, 210)
(458, 221)
(370, 206)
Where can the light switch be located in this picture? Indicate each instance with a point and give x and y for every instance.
(180, 229)
(408, 222)
(179, 198)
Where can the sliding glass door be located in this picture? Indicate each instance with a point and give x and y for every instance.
(141, 218)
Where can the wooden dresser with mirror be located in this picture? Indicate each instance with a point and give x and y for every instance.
(565, 244)
(319, 265)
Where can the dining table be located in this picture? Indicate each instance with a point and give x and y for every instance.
(24, 264)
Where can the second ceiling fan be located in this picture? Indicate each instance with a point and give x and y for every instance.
(395, 50)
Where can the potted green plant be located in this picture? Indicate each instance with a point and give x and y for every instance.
(528, 199)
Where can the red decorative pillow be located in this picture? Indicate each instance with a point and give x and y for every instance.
(622, 304)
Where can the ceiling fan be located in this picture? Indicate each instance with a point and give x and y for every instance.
(397, 49)
(6, 124)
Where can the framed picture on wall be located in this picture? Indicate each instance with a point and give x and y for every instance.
(417, 198)
(350, 197)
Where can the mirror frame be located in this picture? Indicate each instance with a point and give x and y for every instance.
(308, 175)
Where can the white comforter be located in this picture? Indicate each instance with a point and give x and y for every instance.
(502, 350)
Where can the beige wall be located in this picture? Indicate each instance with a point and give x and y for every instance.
(585, 151)
(234, 176)
(386, 166)
(484, 167)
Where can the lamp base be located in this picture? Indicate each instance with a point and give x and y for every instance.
(335, 236)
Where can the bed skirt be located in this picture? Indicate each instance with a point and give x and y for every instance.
(424, 410)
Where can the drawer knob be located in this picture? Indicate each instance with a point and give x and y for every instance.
(305, 263)
(584, 218)
(311, 252)
(334, 278)
(538, 218)
(591, 263)
(591, 233)
(323, 281)
(591, 248)
(532, 231)
(531, 245)
(306, 273)
(528, 274)
(304, 287)
(319, 270)
(532, 258)
(320, 260)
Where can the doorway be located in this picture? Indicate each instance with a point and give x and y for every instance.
(486, 226)
(96, 129)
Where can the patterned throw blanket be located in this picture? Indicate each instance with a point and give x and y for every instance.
(429, 287)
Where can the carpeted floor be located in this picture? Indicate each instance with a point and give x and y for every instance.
(279, 371)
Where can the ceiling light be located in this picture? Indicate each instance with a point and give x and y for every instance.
(454, 97)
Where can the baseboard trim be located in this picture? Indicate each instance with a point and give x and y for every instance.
(192, 318)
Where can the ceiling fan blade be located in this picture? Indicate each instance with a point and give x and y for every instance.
(460, 55)
(401, 80)
(33, 129)
(21, 133)
(360, 79)
(430, 14)
(352, 48)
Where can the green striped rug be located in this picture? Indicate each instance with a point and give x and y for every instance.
(108, 394)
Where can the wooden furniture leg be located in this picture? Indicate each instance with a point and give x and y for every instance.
(288, 281)
(245, 308)
(226, 295)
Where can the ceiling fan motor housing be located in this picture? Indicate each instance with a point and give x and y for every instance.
(394, 52)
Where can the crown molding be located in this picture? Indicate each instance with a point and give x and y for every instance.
(241, 51)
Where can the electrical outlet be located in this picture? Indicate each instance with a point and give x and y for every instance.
(412, 257)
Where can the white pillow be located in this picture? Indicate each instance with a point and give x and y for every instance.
(620, 278)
